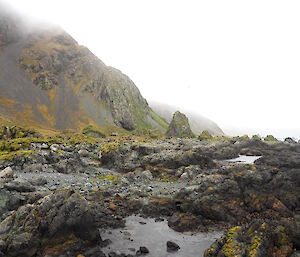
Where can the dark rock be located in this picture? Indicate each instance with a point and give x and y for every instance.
(144, 250)
(172, 247)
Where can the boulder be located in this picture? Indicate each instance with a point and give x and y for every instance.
(20, 185)
(61, 218)
(172, 247)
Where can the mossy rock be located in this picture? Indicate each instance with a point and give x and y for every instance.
(179, 127)
(256, 138)
(270, 139)
(93, 131)
(205, 135)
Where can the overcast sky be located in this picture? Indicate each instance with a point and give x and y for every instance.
(236, 62)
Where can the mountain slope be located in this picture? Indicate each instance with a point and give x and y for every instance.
(47, 79)
(197, 122)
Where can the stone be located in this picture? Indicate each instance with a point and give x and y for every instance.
(39, 181)
(184, 176)
(147, 175)
(144, 250)
(172, 247)
(83, 153)
(6, 173)
(54, 147)
(44, 146)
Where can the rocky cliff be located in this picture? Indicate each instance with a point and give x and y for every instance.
(48, 79)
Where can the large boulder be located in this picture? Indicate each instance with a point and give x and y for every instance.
(179, 126)
(54, 224)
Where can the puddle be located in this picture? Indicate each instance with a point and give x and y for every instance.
(154, 235)
(245, 159)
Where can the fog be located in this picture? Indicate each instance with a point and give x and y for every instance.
(236, 62)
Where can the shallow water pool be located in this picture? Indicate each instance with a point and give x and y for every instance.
(245, 159)
(154, 235)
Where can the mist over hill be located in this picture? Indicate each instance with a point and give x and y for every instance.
(49, 80)
(198, 122)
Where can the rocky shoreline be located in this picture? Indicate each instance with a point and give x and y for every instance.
(55, 199)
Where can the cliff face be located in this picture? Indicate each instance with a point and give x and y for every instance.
(47, 78)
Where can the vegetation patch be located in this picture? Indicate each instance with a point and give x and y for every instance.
(92, 131)
(270, 139)
(109, 177)
(205, 135)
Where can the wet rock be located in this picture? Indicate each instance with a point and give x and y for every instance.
(144, 250)
(172, 247)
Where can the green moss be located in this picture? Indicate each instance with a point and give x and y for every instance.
(108, 177)
(75, 139)
(205, 135)
(168, 179)
(232, 248)
(12, 132)
(93, 131)
(254, 246)
(256, 138)
(5, 155)
(270, 139)
(110, 146)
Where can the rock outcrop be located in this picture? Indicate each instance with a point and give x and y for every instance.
(179, 126)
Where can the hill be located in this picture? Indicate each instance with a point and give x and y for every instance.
(48, 80)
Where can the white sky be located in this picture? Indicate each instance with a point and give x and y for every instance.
(236, 62)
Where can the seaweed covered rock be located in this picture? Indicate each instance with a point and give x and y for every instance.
(53, 225)
(256, 239)
(179, 126)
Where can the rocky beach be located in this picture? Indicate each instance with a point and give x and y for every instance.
(62, 197)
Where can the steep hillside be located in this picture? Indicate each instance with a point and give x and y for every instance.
(197, 122)
(48, 79)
